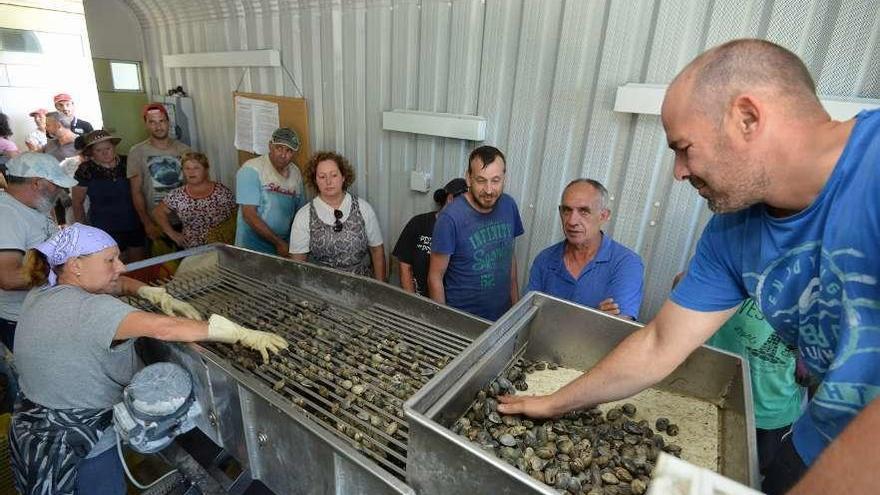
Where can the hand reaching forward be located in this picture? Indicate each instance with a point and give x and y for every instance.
(534, 406)
(221, 329)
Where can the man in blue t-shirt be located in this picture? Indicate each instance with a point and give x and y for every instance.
(589, 267)
(472, 266)
(797, 229)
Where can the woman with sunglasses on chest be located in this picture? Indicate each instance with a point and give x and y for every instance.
(337, 229)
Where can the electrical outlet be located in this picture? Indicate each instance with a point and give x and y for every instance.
(420, 181)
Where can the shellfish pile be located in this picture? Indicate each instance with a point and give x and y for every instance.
(584, 452)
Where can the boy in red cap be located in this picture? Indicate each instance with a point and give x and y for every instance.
(64, 104)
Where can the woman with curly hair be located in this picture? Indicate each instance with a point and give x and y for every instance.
(337, 229)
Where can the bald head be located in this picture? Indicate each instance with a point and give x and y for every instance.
(719, 75)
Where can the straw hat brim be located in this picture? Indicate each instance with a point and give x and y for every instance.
(112, 139)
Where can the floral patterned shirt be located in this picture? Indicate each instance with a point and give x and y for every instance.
(203, 214)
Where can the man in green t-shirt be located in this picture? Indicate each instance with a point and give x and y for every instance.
(777, 397)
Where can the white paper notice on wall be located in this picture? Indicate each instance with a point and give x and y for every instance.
(255, 121)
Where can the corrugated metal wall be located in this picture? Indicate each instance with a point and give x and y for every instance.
(543, 72)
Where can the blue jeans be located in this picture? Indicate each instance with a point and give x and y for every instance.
(101, 475)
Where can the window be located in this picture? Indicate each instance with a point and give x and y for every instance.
(18, 40)
(126, 76)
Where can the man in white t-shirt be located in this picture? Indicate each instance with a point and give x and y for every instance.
(269, 191)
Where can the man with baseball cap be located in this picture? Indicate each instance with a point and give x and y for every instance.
(269, 189)
(34, 181)
(36, 140)
(154, 167)
(64, 104)
(413, 248)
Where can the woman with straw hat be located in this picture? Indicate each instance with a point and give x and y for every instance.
(102, 179)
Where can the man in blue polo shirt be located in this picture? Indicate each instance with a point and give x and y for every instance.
(796, 228)
(589, 267)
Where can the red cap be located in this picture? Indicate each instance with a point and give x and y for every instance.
(39, 111)
(154, 107)
(61, 97)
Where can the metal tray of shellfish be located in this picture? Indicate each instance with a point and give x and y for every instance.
(325, 415)
(460, 444)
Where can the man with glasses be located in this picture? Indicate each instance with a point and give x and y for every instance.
(34, 181)
(472, 266)
(269, 189)
(589, 267)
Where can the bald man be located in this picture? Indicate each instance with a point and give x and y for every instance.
(796, 229)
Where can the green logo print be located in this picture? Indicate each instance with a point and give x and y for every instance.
(492, 244)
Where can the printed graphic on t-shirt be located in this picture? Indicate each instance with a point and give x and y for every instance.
(491, 244)
(165, 174)
(830, 313)
(423, 244)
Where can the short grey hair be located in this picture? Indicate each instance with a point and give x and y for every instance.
(603, 192)
(723, 72)
(65, 121)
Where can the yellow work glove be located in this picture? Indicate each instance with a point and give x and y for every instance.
(168, 304)
(221, 329)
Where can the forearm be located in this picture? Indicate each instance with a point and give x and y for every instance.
(14, 280)
(79, 212)
(140, 207)
(167, 328)
(262, 229)
(514, 282)
(183, 330)
(127, 286)
(436, 289)
(850, 463)
(377, 254)
(12, 275)
(406, 277)
(161, 218)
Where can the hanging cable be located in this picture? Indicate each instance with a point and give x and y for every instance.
(128, 473)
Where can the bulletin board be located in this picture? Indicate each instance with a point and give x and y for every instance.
(292, 113)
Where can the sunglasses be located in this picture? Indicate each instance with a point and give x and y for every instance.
(337, 227)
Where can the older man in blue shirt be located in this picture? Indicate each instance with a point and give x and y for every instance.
(589, 267)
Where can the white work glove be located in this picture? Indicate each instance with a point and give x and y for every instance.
(169, 305)
(221, 329)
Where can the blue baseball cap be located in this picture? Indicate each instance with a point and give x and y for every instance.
(40, 166)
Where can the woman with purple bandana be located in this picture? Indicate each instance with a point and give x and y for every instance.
(75, 352)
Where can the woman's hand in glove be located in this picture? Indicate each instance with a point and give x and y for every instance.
(221, 329)
(168, 304)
